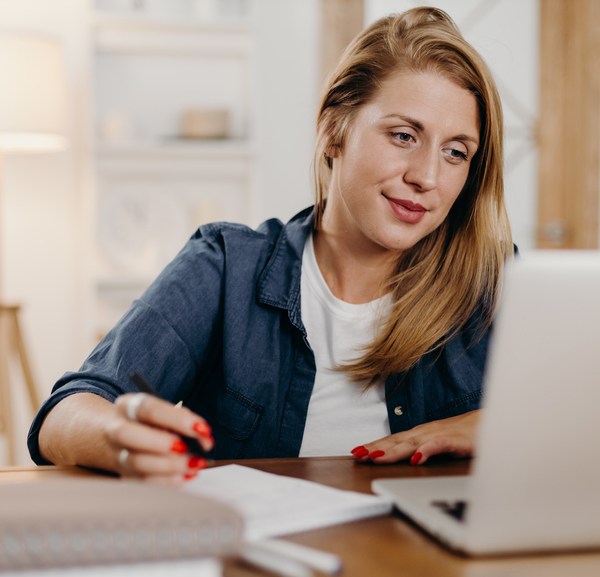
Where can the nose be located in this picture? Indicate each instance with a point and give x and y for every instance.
(422, 168)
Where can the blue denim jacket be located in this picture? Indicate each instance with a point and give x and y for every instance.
(220, 329)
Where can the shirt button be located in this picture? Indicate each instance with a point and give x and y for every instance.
(398, 411)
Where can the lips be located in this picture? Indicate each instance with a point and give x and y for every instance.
(407, 211)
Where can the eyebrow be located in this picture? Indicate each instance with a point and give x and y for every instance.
(419, 126)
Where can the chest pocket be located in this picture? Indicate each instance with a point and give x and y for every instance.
(237, 415)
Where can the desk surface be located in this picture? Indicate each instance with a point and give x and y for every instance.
(383, 546)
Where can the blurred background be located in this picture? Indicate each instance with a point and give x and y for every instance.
(179, 112)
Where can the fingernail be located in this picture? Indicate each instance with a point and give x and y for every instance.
(196, 463)
(202, 428)
(190, 475)
(178, 446)
(376, 454)
(414, 460)
(360, 451)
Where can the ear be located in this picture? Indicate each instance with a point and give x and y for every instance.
(332, 151)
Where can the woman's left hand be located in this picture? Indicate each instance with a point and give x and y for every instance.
(453, 436)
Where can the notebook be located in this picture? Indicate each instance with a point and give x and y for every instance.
(535, 484)
(273, 505)
(97, 522)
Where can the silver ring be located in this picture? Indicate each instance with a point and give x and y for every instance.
(133, 406)
(123, 457)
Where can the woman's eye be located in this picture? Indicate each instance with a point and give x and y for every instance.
(403, 136)
(458, 154)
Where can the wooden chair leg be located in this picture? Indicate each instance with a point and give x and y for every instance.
(21, 350)
(12, 346)
(6, 414)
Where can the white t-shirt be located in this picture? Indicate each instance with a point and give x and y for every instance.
(341, 414)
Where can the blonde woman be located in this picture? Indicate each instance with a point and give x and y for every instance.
(361, 326)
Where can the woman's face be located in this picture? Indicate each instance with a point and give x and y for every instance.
(404, 163)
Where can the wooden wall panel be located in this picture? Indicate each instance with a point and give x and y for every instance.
(569, 125)
(341, 20)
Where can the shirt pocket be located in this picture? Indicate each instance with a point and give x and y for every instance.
(457, 406)
(237, 415)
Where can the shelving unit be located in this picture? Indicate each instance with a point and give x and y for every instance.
(153, 60)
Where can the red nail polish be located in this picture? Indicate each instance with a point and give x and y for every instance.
(360, 451)
(178, 446)
(414, 460)
(190, 475)
(196, 463)
(202, 428)
(375, 454)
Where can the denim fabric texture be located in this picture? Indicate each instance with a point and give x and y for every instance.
(220, 329)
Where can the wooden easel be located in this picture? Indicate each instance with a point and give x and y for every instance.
(12, 346)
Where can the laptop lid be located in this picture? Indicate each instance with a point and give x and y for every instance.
(536, 479)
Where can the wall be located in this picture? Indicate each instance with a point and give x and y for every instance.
(288, 47)
(43, 203)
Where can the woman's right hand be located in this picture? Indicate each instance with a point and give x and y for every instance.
(145, 436)
(137, 436)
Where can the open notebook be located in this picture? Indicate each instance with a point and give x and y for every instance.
(273, 505)
(536, 479)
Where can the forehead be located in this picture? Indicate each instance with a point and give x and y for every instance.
(429, 97)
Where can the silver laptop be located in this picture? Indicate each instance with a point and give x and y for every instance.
(535, 483)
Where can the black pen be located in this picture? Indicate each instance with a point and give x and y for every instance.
(143, 386)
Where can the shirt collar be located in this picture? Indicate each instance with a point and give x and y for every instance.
(279, 282)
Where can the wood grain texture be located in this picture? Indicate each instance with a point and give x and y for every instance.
(341, 21)
(569, 125)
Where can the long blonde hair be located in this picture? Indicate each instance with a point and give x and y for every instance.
(453, 274)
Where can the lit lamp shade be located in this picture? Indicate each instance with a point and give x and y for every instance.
(32, 93)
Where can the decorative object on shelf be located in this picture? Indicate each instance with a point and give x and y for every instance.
(32, 119)
(204, 123)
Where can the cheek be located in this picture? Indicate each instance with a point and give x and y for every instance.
(453, 189)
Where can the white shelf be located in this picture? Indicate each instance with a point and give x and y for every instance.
(106, 18)
(153, 188)
(178, 159)
(226, 147)
(116, 33)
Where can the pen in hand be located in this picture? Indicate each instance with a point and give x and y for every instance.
(143, 386)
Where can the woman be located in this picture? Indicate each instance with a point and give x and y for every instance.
(359, 326)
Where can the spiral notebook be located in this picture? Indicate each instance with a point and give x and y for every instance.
(75, 522)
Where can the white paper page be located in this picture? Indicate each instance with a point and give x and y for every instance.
(275, 505)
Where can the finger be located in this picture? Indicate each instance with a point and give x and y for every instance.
(138, 437)
(392, 452)
(168, 480)
(147, 465)
(160, 413)
(387, 449)
(456, 445)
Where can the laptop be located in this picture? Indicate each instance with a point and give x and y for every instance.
(535, 483)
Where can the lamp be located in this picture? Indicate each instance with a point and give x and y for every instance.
(32, 119)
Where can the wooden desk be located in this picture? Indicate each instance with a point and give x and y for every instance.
(384, 546)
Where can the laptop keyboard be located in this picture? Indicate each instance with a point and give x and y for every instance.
(455, 509)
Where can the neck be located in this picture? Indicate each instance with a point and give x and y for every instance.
(353, 273)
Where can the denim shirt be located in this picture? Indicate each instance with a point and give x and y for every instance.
(220, 329)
